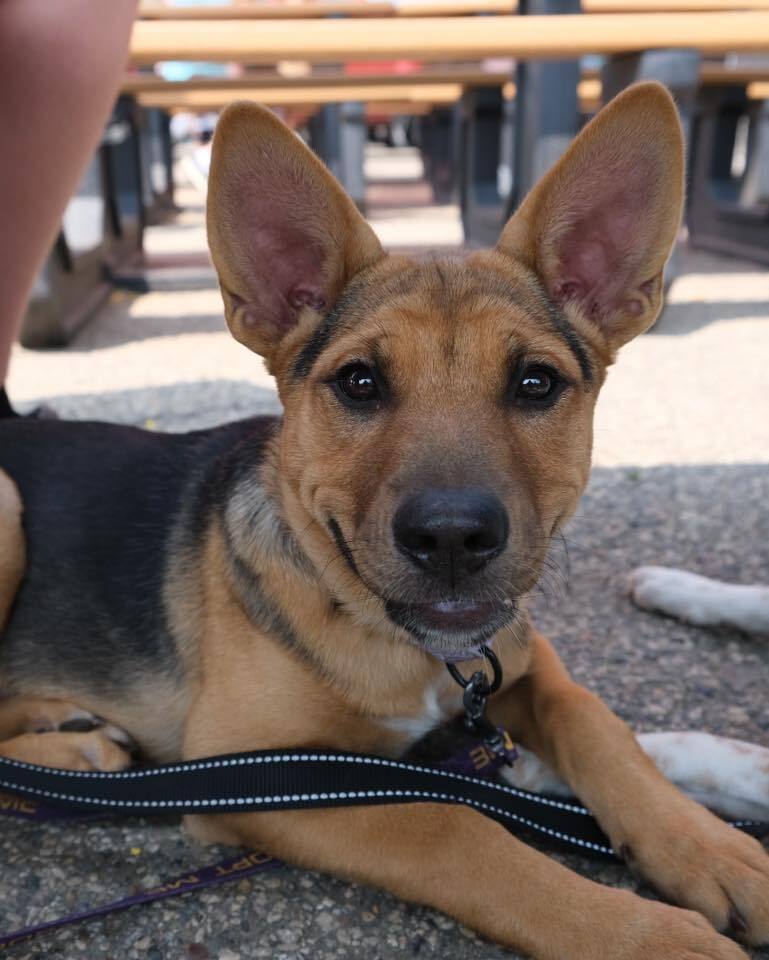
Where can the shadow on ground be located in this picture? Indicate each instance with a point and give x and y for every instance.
(655, 672)
(678, 319)
(178, 407)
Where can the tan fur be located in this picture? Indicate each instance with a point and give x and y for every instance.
(93, 750)
(350, 678)
(12, 546)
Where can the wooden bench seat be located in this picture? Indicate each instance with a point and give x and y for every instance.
(426, 8)
(445, 39)
(196, 101)
(274, 88)
(144, 84)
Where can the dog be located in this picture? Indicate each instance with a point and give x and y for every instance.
(701, 600)
(301, 581)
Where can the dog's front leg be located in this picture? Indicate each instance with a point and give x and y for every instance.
(457, 860)
(688, 853)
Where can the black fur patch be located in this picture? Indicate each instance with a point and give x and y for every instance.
(6, 410)
(102, 503)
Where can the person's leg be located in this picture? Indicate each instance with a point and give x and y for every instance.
(60, 67)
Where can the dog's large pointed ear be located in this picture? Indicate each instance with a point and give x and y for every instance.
(284, 237)
(600, 225)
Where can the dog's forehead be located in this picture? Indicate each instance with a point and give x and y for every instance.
(419, 315)
(446, 291)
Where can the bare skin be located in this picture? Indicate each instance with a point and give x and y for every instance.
(60, 66)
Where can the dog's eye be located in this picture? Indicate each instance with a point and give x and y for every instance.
(537, 385)
(356, 382)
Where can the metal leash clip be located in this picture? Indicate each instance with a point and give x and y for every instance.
(477, 691)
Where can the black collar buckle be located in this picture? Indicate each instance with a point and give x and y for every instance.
(477, 691)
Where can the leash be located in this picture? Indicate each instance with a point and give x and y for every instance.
(281, 780)
(301, 779)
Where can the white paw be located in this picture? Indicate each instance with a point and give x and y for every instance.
(698, 600)
(687, 596)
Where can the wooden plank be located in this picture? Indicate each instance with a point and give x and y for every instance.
(200, 101)
(711, 74)
(197, 100)
(671, 6)
(425, 8)
(295, 94)
(269, 11)
(142, 84)
(255, 86)
(720, 74)
(451, 38)
(343, 8)
(296, 113)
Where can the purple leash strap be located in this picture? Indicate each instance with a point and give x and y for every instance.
(232, 868)
(474, 760)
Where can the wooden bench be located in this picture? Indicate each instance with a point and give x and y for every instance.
(207, 93)
(317, 11)
(144, 85)
(426, 8)
(445, 39)
(313, 95)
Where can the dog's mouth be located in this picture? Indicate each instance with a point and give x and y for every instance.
(452, 629)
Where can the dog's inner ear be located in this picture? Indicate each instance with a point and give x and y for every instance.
(599, 227)
(284, 236)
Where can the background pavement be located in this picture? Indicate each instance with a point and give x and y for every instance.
(682, 447)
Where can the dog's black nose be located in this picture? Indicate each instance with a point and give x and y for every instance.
(451, 532)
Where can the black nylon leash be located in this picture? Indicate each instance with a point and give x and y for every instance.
(306, 779)
(295, 780)
(286, 780)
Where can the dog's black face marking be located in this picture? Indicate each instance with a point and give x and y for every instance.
(572, 339)
(266, 616)
(558, 322)
(336, 533)
(332, 324)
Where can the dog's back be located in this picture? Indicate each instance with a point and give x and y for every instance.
(101, 582)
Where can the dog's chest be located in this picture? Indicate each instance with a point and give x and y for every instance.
(440, 702)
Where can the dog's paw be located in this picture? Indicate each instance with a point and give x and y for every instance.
(46, 716)
(700, 862)
(678, 593)
(656, 931)
(24, 714)
(105, 748)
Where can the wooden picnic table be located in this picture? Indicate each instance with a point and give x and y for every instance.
(450, 38)
(207, 100)
(223, 88)
(426, 8)
(142, 84)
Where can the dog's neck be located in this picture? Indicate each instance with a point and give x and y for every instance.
(290, 596)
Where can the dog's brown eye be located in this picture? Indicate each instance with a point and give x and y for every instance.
(357, 383)
(537, 384)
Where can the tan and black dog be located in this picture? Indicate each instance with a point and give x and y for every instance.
(300, 581)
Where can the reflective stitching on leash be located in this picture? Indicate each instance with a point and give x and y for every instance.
(343, 795)
(283, 758)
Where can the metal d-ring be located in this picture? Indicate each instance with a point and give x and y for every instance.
(496, 681)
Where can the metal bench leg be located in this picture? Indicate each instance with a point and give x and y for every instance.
(338, 136)
(481, 204)
(439, 150)
(729, 181)
(547, 111)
